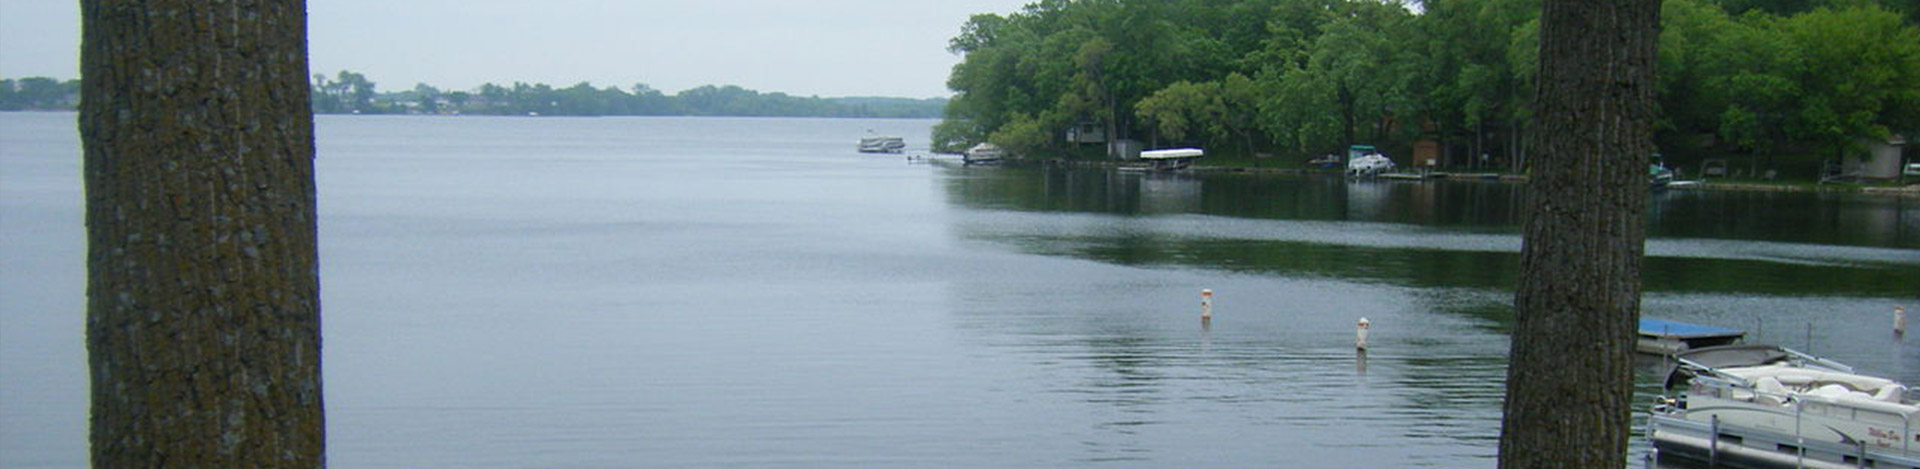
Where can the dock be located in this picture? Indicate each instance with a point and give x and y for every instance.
(1426, 175)
(1664, 337)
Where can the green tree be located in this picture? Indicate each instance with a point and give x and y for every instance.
(427, 98)
(1691, 34)
(1182, 107)
(203, 306)
(1059, 64)
(1468, 72)
(359, 92)
(1296, 110)
(1354, 75)
(1748, 86)
(651, 102)
(1240, 106)
(1214, 112)
(1026, 135)
(1764, 83)
(10, 99)
(1860, 76)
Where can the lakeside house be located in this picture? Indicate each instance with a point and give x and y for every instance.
(1882, 161)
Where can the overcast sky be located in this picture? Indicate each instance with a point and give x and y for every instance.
(804, 47)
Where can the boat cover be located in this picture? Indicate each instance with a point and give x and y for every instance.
(1172, 154)
(1681, 330)
(1735, 355)
(1721, 357)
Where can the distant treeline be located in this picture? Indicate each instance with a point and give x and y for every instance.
(39, 94)
(351, 93)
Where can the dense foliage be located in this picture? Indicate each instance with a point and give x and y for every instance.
(350, 92)
(1308, 77)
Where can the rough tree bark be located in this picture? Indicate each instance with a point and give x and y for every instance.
(1570, 377)
(203, 314)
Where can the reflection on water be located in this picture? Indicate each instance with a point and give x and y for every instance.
(1436, 263)
(510, 292)
(1436, 234)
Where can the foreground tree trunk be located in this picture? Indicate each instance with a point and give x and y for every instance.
(1570, 377)
(203, 314)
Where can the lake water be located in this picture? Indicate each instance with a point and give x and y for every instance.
(681, 292)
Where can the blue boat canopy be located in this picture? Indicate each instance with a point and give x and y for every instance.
(1681, 330)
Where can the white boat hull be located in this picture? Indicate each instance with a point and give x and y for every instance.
(1739, 446)
(1767, 407)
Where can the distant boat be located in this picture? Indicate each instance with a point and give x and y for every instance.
(882, 144)
(985, 153)
(1368, 165)
(1365, 161)
(1658, 175)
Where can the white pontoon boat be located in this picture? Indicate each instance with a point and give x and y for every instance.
(882, 144)
(984, 154)
(1762, 406)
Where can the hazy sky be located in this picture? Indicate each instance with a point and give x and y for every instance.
(800, 47)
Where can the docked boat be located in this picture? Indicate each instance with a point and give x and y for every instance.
(1664, 337)
(1762, 406)
(985, 153)
(1658, 176)
(882, 144)
(1364, 160)
(1166, 160)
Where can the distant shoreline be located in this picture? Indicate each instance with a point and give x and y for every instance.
(1910, 190)
(353, 93)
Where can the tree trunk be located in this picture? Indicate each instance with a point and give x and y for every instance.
(203, 308)
(1347, 118)
(1570, 376)
(1479, 144)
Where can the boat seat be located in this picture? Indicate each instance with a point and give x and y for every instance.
(1891, 393)
(1831, 391)
(1769, 391)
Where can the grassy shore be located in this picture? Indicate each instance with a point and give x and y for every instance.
(1911, 189)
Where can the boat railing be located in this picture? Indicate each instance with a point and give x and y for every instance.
(1739, 390)
(1822, 362)
(1701, 370)
(1795, 355)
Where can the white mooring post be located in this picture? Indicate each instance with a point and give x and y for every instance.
(1360, 334)
(1206, 307)
(1900, 321)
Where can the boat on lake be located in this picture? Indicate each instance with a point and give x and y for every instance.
(1658, 174)
(1763, 406)
(1664, 337)
(1364, 161)
(882, 144)
(985, 153)
(1166, 160)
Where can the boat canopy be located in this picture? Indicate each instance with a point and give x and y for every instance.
(1177, 153)
(1736, 356)
(1665, 328)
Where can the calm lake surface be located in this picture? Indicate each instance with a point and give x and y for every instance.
(683, 292)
